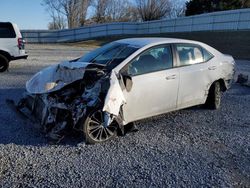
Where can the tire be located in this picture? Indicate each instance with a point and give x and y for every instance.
(214, 97)
(4, 63)
(95, 131)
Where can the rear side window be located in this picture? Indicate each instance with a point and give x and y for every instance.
(7, 30)
(192, 54)
(207, 55)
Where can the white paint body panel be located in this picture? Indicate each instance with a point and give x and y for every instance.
(152, 94)
(193, 84)
(10, 45)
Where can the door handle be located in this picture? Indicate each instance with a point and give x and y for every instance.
(171, 77)
(212, 68)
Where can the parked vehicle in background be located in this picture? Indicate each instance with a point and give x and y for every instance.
(11, 45)
(124, 81)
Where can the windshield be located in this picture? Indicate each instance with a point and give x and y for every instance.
(111, 54)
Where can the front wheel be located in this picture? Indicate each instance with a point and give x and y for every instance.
(214, 97)
(95, 129)
(4, 63)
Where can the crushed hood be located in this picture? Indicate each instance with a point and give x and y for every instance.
(55, 77)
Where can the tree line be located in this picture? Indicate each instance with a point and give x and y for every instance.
(205, 6)
(77, 13)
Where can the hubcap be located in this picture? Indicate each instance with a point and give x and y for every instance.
(97, 130)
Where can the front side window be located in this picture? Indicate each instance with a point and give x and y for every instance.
(155, 59)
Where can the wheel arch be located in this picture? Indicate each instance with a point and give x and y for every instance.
(5, 54)
(222, 84)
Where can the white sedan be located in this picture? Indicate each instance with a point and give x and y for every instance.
(124, 81)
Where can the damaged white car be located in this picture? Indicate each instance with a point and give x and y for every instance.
(124, 81)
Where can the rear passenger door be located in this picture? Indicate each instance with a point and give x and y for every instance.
(194, 74)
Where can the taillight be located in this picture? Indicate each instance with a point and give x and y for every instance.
(20, 43)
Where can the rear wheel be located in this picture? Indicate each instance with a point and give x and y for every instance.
(4, 63)
(95, 130)
(214, 96)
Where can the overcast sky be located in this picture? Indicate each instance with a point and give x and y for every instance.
(27, 14)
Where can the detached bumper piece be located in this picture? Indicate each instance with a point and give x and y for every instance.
(55, 120)
(15, 108)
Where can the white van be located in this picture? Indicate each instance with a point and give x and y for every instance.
(11, 45)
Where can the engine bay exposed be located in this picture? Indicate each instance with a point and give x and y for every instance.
(65, 104)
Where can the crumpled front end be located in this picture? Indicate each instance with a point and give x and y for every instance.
(60, 97)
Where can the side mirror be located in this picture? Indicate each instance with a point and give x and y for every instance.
(127, 80)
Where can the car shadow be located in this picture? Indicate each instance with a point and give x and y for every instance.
(196, 108)
(15, 130)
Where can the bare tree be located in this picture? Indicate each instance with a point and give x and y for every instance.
(83, 11)
(112, 10)
(100, 10)
(119, 10)
(58, 22)
(153, 9)
(132, 14)
(74, 11)
(245, 3)
(177, 8)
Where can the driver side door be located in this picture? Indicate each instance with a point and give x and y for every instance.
(154, 84)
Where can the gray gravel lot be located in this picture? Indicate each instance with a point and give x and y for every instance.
(189, 148)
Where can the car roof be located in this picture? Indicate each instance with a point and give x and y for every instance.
(141, 42)
(6, 23)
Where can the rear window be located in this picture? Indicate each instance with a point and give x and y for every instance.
(7, 30)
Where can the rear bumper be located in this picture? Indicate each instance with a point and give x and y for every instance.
(19, 57)
(230, 78)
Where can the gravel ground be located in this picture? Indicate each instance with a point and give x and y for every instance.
(189, 148)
